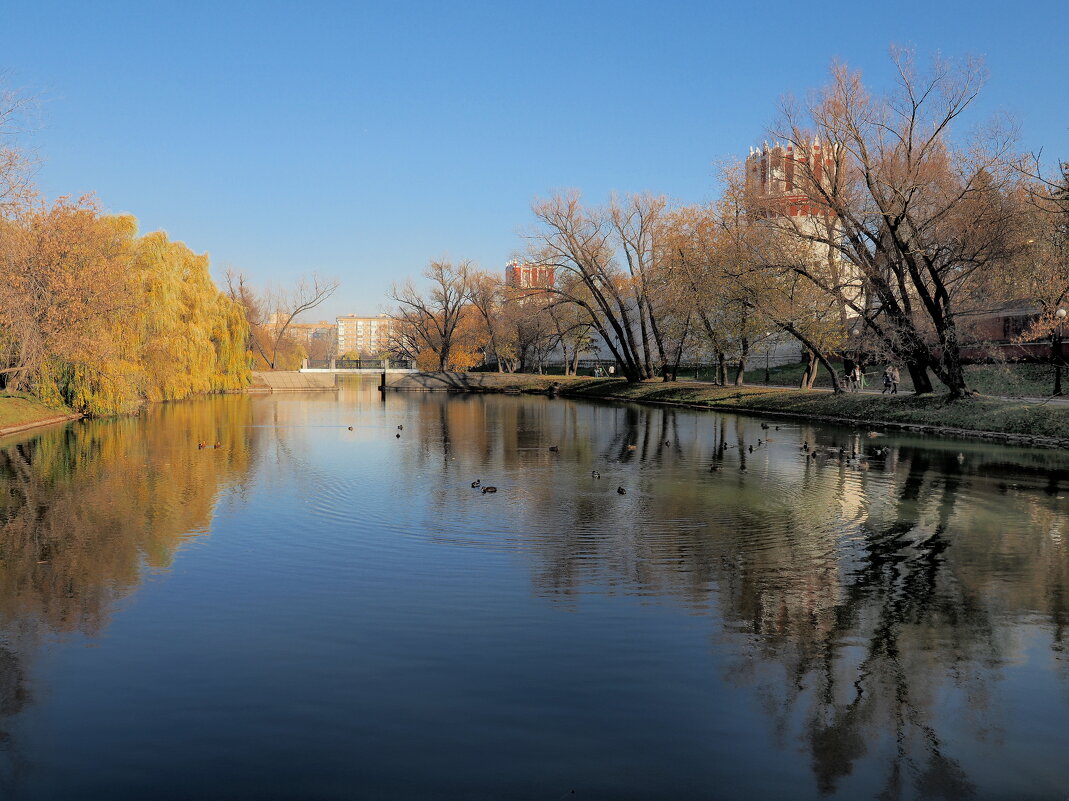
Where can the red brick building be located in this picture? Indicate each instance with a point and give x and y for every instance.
(528, 276)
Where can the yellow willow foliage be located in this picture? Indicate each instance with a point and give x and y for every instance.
(189, 336)
(100, 319)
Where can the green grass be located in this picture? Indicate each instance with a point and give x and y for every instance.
(978, 413)
(1005, 380)
(18, 410)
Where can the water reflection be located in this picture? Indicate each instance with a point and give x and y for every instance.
(873, 599)
(867, 601)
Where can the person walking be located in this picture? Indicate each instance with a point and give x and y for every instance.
(887, 382)
(849, 365)
(896, 376)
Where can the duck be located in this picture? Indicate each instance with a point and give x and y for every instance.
(805, 445)
(713, 468)
(476, 483)
(750, 449)
(489, 489)
(758, 442)
(400, 428)
(777, 428)
(668, 443)
(398, 436)
(621, 491)
(595, 474)
(350, 428)
(218, 445)
(764, 426)
(631, 447)
(554, 449)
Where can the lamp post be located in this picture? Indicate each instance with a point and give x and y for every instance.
(767, 379)
(1056, 350)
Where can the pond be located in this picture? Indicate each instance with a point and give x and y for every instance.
(737, 608)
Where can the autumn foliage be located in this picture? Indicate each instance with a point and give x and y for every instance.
(96, 317)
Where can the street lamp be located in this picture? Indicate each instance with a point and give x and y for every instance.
(767, 380)
(1056, 350)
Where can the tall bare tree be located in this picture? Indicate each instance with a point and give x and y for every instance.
(581, 244)
(431, 318)
(917, 217)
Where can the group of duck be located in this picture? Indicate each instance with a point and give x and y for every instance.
(853, 458)
(478, 483)
(398, 434)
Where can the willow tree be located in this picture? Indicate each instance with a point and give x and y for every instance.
(189, 336)
(95, 318)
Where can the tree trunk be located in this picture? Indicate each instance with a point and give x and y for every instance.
(740, 374)
(922, 382)
(722, 368)
(809, 375)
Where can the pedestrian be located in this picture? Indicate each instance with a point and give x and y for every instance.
(848, 370)
(896, 376)
(612, 369)
(887, 382)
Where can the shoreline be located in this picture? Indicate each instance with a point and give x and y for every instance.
(24, 414)
(1019, 422)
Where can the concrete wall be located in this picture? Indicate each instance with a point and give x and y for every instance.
(281, 381)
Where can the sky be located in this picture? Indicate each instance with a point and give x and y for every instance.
(363, 140)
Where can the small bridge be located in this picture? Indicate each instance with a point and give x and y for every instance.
(358, 366)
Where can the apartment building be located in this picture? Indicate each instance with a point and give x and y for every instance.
(366, 336)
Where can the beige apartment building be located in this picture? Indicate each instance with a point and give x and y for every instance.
(366, 336)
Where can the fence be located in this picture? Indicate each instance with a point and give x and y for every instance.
(358, 364)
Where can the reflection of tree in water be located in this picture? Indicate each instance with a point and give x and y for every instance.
(871, 591)
(865, 653)
(86, 507)
(13, 697)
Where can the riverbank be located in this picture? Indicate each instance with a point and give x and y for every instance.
(19, 413)
(978, 416)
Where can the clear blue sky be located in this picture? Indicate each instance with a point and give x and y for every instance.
(362, 140)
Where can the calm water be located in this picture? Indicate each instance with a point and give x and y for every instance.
(313, 612)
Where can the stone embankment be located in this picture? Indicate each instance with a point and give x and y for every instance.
(292, 381)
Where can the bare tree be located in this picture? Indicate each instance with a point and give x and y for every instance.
(16, 164)
(915, 217)
(431, 319)
(271, 313)
(581, 244)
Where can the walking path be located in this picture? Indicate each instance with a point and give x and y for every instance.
(1054, 400)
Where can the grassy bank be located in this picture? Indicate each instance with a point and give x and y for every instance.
(17, 411)
(1008, 379)
(979, 414)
